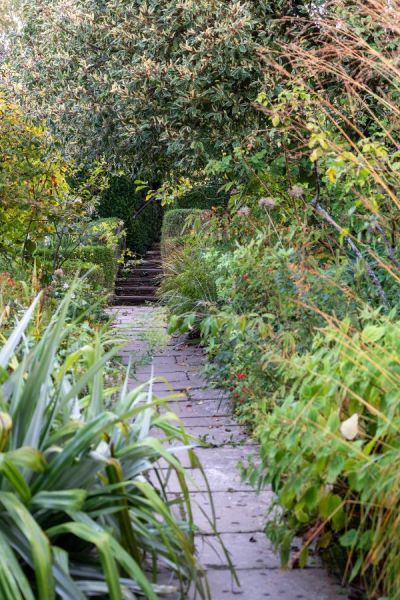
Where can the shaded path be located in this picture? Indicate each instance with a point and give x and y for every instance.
(240, 512)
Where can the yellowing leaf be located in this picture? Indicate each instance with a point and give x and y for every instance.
(331, 174)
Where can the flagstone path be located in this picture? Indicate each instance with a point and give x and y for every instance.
(240, 511)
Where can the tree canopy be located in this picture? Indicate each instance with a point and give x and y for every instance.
(152, 86)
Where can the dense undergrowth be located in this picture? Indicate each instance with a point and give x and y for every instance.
(294, 293)
(269, 133)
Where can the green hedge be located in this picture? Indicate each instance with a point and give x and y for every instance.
(103, 256)
(120, 200)
(104, 241)
(94, 272)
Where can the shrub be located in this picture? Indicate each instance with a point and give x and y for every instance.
(192, 98)
(10, 289)
(94, 272)
(261, 291)
(110, 232)
(34, 194)
(79, 517)
(104, 257)
(331, 451)
(98, 245)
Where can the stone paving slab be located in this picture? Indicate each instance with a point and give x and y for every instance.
(227, 457)
(179, 378)
(240, 512)
(228, 505)
(275, 584)
(219, 480)
(207, 407)
(220, 435)
(209, 422)
(247, 551)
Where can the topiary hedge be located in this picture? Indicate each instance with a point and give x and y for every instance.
(120, 200)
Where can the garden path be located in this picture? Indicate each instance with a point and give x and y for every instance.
(240, 511)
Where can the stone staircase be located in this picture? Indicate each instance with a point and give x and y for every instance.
(139, 285)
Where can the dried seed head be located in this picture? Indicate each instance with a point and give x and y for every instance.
(296, 191)
(267, 202)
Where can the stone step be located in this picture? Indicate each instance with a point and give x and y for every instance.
(129, 290)
(129, 300)
(148, 265)
(137, 281)
(147, 271)
(140, 275)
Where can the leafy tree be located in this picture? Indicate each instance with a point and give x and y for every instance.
(152, 86)
(34, 193)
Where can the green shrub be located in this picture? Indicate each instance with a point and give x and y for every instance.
(79, 517)
(100, 243)
(94, 272)
(258, 313)
(34, 194)
(331, 451)
(103, 256)
(120, 200)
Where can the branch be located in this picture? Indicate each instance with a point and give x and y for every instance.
(389, 247)
(329, 219)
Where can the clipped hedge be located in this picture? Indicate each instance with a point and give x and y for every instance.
(174, 227)
(104, 242)
(93, 271)
(105, 258)
(120, 200)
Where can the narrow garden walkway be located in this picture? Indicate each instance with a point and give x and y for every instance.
(240, 512)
